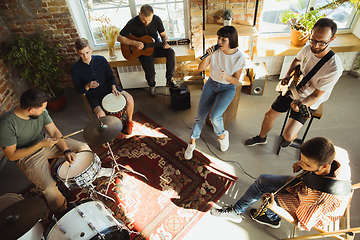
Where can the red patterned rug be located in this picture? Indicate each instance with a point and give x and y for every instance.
(178, 192)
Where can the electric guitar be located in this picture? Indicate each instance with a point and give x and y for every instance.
(292, 183)
(131, 53)
(295, 79)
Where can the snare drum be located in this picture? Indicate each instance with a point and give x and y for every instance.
(89, 219)
(9, 199)
(114, 105)
(82, 172)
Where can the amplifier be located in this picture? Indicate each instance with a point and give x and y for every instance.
(180, 98)
(259, 79)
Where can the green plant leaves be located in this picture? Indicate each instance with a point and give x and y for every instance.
(37, 60)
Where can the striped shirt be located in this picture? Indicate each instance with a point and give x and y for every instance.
(314, 208)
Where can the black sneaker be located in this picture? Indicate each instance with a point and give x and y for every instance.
(283, 143)
(263, 219)
(255, 141)
(152, 91)
(172, 83)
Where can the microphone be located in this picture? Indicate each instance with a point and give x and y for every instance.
(216, 47)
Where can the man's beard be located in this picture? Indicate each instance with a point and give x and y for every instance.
(34, 117)
(317, 51)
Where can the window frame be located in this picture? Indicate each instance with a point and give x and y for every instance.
(348, 29)
(84, 30)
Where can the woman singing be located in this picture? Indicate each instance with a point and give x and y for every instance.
(226, 65)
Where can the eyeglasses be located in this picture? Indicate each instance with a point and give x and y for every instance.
(320, 43)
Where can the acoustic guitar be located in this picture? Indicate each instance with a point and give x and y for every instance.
(295, 79)
(131, 53)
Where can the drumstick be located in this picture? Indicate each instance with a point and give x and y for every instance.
(63, 137)
(67, 174)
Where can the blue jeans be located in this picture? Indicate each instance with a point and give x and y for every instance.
(265, 183)
(221, 96)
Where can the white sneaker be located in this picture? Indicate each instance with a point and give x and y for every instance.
(224, 143)
(227, 213)
(189, 151)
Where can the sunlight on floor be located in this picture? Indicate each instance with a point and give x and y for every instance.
(144, 130)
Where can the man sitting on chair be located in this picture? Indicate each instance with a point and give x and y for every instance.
(146, 23)
(307, 206)
(22, 140)
(315, 92)
(93, 76)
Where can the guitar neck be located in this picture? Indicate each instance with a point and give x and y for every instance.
(159, 44)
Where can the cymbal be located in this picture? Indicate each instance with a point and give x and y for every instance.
(20, 217)
(102, 130)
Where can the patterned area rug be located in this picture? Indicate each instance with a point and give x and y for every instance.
(178, 192)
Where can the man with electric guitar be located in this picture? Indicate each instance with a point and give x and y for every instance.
(136, 32)
(321, 69)
(315, 197)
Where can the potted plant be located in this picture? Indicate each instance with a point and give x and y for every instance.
(300, 25)
(37, 61)
(227, 17)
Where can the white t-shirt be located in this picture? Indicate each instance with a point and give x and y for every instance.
(324, 80)
(228, 63)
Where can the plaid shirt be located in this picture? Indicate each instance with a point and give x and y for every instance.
(314, 208)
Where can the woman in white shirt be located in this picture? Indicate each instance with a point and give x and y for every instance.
(226, 65)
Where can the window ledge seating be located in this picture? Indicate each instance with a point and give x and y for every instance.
(183, 53)
(281, 46)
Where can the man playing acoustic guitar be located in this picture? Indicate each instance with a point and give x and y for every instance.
(319, 197)
(316, 91)
(146, 23)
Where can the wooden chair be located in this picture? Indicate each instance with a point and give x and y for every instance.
(86, 105)
(339, 229)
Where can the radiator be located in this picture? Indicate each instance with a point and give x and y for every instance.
(134, 76)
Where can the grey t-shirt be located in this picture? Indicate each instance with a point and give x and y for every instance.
(23, 133)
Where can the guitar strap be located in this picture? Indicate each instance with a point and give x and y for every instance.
(314, 70)
(328, 185)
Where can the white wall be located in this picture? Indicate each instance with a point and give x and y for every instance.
(275, 64)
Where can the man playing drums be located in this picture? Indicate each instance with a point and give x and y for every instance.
(23, 141)
(92, 75)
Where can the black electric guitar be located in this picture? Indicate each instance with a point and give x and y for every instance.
(295, 79)
(131, 53)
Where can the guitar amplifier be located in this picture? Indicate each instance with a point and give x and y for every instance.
(180, 98)
(259, 79)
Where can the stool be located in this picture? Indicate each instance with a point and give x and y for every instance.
(316, 114)
(231, 111)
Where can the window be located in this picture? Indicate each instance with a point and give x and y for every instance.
(270, 23)
(119, 12)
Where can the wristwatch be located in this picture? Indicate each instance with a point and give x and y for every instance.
(67, 151)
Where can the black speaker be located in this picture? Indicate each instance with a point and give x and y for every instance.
(259, 80)
(180, 98)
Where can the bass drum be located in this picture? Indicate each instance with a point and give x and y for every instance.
(88, 220)
(36, 231)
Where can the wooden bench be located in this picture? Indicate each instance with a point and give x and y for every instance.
(182, 54)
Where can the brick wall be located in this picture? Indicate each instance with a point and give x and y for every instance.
(49, 17)
(11, 85)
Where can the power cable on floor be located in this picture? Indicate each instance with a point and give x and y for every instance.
(228, 161)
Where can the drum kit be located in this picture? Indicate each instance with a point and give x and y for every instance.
(88, 219)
